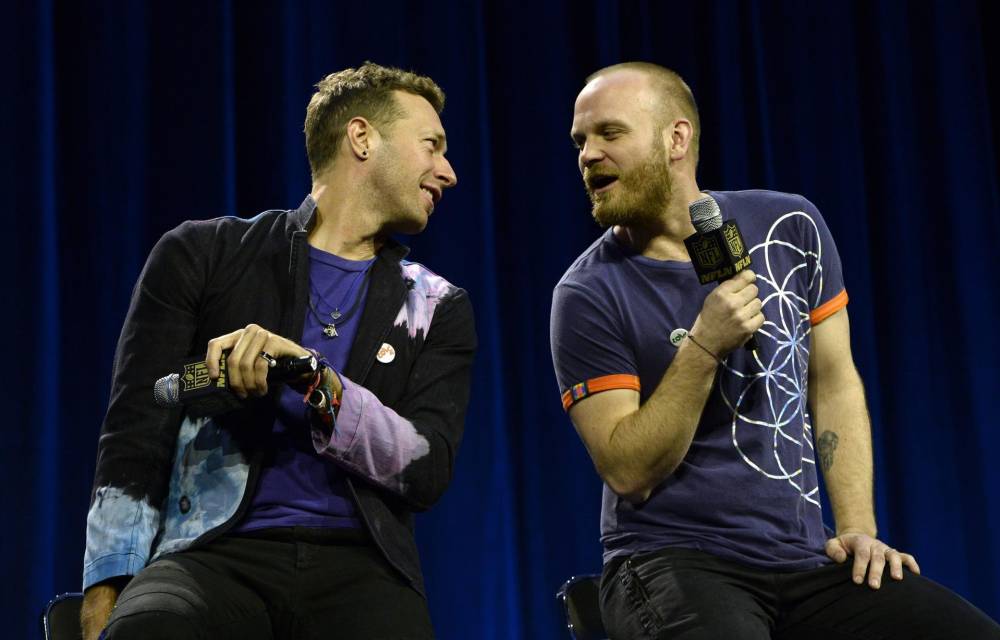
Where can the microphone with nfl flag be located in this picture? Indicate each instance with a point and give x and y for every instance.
(202, 396)
(717, 249)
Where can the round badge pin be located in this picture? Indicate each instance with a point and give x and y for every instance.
(677, 335)
(386, 353)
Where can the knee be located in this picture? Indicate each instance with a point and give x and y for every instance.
(156, 616)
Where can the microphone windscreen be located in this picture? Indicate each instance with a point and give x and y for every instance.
(705, 214)
(166, 391)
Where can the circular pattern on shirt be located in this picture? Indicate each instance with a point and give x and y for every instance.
(770, 393)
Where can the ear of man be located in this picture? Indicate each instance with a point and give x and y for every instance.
(677, 138)
(361, 138)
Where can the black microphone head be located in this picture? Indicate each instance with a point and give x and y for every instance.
(705, 214)
(166, 391)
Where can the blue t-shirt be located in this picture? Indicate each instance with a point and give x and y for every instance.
(747, 489)
(298, 487)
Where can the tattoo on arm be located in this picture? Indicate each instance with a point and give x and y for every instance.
(825, 447)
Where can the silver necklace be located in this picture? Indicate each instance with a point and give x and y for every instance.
(336, 317)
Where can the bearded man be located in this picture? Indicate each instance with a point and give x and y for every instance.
(711, 521)
(291, 516)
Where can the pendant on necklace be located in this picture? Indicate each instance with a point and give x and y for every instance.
(335, 314)
(330, 331)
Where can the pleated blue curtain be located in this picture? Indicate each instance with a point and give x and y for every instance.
(119, 120)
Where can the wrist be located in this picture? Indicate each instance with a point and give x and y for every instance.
(332, 381)
(323, 399)
(699, 352)
(867, 530)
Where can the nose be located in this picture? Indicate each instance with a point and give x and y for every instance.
(590, 154)
(445, 173)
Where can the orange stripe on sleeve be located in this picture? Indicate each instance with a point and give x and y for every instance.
(828, 308)
(595, 385)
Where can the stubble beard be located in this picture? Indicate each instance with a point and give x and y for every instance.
(390, 188)
(640, 196)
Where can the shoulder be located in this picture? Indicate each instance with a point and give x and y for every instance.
(427, 284)
(592, 285)
(762, 202)
(592, 266)
(432, 301)
(764, 214)
(230, 232)
(270, 222)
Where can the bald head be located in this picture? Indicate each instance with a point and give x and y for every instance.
(665, 92)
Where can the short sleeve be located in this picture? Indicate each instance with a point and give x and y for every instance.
(827, 294)
(588, 350)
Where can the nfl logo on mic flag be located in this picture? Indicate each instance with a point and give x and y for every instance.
(718, 254)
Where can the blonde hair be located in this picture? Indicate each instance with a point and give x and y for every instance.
(366, 92)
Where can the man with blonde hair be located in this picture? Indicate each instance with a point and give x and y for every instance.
(290, 516)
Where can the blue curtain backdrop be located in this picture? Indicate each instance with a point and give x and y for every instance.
(121, 119)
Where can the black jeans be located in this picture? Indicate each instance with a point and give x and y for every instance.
(279, 583)
(691, 595)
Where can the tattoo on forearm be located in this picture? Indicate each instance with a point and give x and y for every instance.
(825, 447)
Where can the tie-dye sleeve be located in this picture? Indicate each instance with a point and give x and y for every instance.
(409, 448)
(137, 438)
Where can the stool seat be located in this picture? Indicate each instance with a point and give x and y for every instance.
(61, 617)
(580, 598)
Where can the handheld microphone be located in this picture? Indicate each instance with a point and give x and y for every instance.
(201, 396)
(717, 249)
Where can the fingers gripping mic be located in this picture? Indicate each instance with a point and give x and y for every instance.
(717, 249)
(202, 396)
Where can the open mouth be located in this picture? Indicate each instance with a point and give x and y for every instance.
(601, 183)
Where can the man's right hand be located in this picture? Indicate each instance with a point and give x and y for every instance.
(246, 370)
(730, 315)
(98, 601)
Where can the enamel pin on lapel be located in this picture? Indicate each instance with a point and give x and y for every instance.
(386, 353)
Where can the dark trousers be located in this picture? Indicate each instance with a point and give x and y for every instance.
(279, 583)
(685, 594)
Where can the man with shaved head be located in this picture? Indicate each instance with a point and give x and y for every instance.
(711, 521)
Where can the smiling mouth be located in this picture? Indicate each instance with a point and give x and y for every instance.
(433, 191)
(430, 197)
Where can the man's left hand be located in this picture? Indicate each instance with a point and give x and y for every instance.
(870, 556)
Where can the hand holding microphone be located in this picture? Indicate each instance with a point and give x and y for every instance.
(237, 365)
(247, 369)
(731, 314)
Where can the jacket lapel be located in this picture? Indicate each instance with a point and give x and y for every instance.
(386, 295)
(299, 223)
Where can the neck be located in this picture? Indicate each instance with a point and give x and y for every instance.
(663, 238)
(346, 224)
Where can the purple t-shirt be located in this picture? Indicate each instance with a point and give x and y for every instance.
(747, 489)
(297, 487)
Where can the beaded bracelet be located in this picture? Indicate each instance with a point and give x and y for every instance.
(320, 397)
